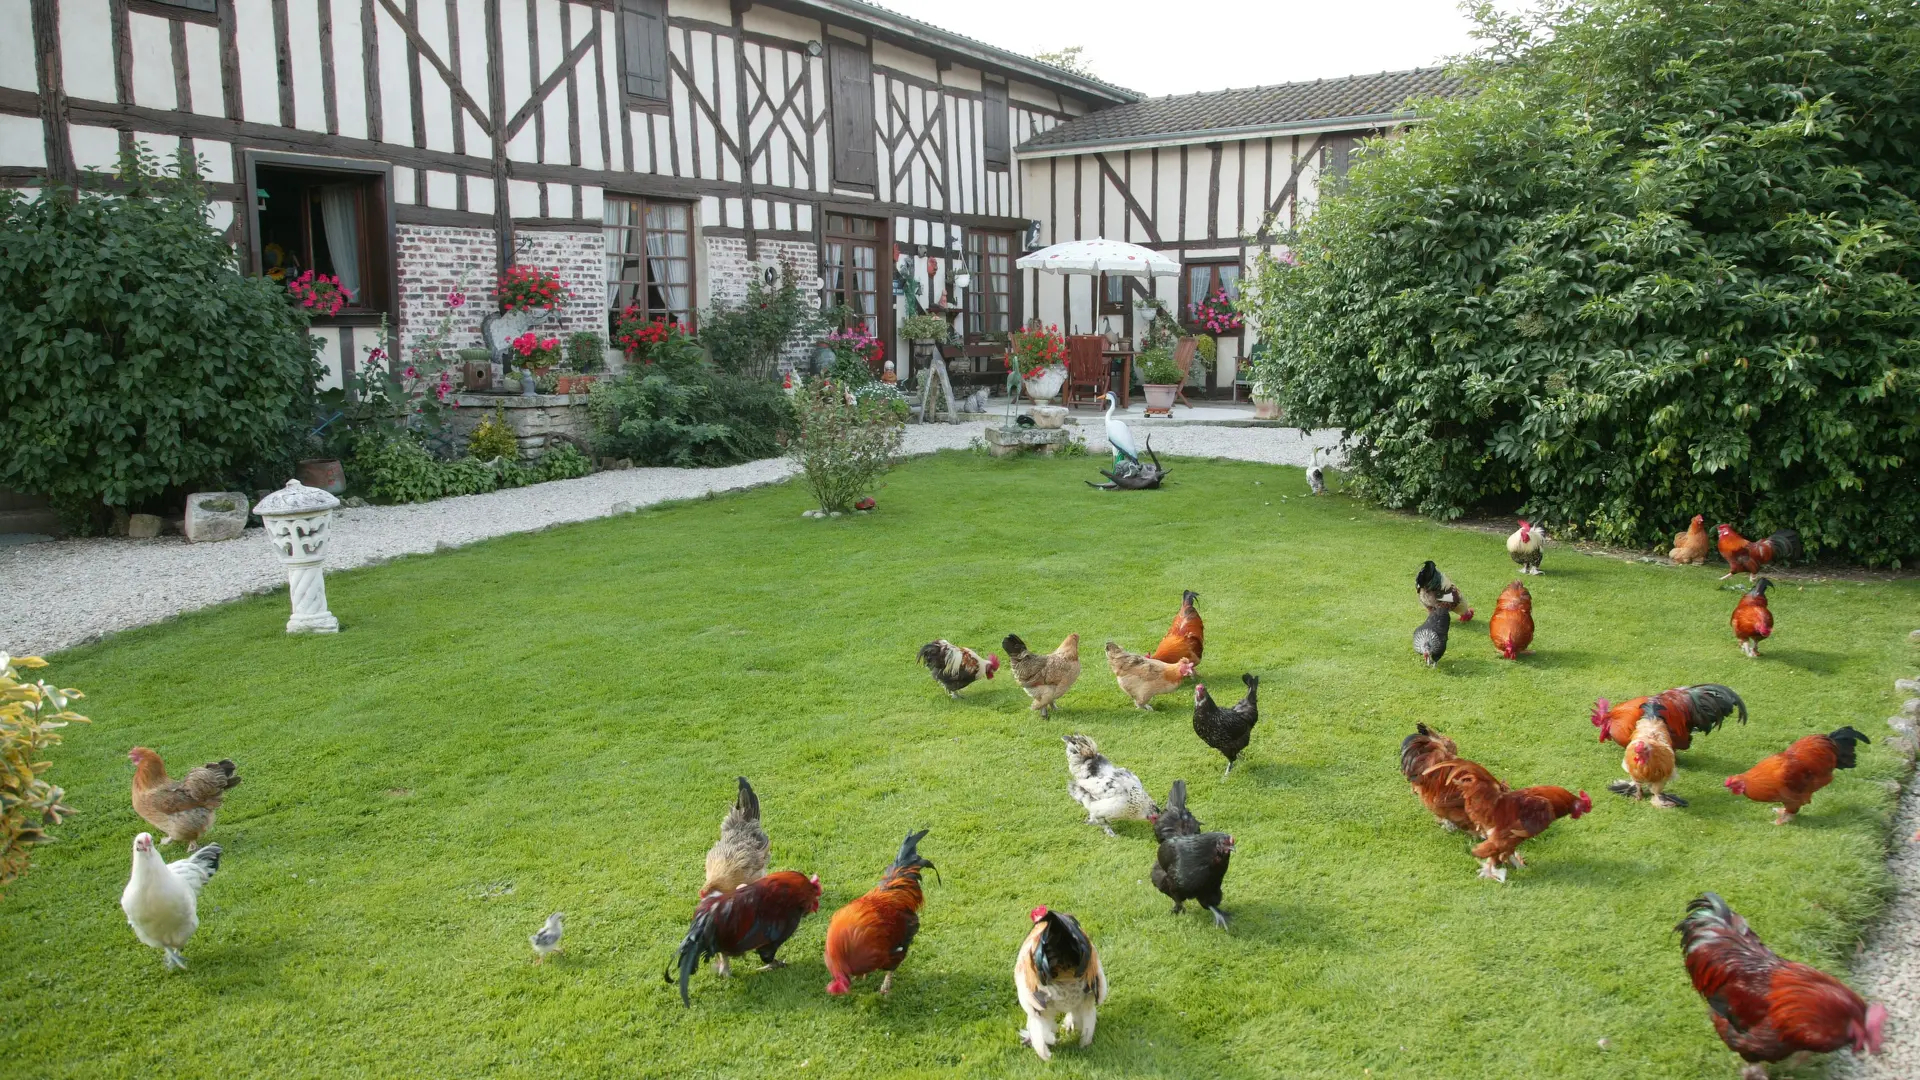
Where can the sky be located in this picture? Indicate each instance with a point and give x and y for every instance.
(1180, 46)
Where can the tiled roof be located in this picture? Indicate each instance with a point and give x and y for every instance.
(1249, 110)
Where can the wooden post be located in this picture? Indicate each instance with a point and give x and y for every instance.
(497, 110)
(53, 96)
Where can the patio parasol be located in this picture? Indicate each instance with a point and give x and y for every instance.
(1099, 256)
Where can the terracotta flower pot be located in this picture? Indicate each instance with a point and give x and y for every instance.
(323, 473)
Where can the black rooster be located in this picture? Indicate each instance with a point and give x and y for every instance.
(1134, 475)
(1192, 868)
(1175, 820)
(1227, 730)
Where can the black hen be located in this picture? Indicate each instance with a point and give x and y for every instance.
(1438, 593)
(1430, 640)
(1193, 868)
(1176, 819)
(1227, 730)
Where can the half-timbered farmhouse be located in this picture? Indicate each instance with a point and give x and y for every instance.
(656, 152)
(1210, 178)
(660, 153)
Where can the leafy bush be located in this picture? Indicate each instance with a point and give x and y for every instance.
(926, 326)
(1659, 264)
(586, 351)
(680, 410)
(1156, 367)
(747, 338)
(845, 441)
(138, 358)
(31, 715)
(494, 438)
(400, 470)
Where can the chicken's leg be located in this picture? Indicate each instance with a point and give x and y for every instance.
(1083, 1019)
(1040, 1034)
(1783, 816)
(1625, 787)
(1488, 869)
(886, 983)
(1229, 771)
(722, 967)
(1755, 1071)
(1219, 918)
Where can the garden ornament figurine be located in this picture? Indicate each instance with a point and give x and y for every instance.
(1121, 438)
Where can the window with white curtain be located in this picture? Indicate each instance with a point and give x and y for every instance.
(330, 221)
(650, 258)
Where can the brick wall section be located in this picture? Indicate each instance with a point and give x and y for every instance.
(580, 258)
(433, 259)
(728, 273)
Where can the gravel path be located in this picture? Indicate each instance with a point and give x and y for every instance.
(57, 595)
(1888, 970)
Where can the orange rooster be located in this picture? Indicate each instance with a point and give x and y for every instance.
(1687, 710)
(1792, 776)
(1419, 753)
(1649, 761)
(1766, 1008)
(874, 931)
(1692, 546)
(1188, 637)
(1752, 620)
(1509, 817)
(181, 809)
(1751, 557)
(1512, 624)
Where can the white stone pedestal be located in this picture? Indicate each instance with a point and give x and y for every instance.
(297, 519)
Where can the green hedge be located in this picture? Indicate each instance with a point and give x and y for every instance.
(400, 470)
(1660, 263)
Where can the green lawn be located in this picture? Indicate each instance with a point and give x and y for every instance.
(553, 722)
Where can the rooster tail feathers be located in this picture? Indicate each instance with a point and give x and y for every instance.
(1253, 685)
(1177, 798)
(1786, 544)
(697, 946)
(909, 858)
(1187, 598)
(1014, 646)
(746, 801)
(1707, 914)
(1843, 749)
(1712, 703)
(934, 655)
(197, 868)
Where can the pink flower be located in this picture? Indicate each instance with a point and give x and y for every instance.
(456, 299)
(412, 373)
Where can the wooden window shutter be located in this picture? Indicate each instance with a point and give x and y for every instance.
(854, 160)
(997, 152)
(643, 26)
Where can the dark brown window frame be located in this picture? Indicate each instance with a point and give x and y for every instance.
(882, 242)
(692, 209)
(1186, 280)
(634, 99)
(382, 254)
(206, 12)
(969, 314)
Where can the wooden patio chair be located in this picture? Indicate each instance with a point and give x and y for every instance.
(1087, 369)
(1183, 355)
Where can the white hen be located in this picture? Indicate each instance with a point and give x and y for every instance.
(162, 899)
(1109, 792)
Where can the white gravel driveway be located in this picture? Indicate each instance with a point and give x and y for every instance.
(57, 595)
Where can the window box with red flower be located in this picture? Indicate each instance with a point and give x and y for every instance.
(320, 293)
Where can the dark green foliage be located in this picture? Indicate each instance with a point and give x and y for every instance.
(137, 357)
(1657, 266)
(747, 338)
(400, 470)
(683, 411)
(586, 351)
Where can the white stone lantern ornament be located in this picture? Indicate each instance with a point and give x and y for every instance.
(296, 518)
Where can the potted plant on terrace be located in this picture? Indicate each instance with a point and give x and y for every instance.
(854, 342)
(537, 354)
(1040, 356)
(1160, 377)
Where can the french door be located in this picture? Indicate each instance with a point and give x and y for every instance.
(854, 268)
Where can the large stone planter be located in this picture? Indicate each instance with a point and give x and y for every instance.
(1044, 387)
(215, 515)
(1266, 410)
(539, 421)
(1047, 417)
(1006, 441)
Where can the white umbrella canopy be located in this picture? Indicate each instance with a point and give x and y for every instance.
(1100, 257)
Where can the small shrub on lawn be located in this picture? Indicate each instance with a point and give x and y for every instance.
(31, 715)
(138, 357)
(846, 440)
